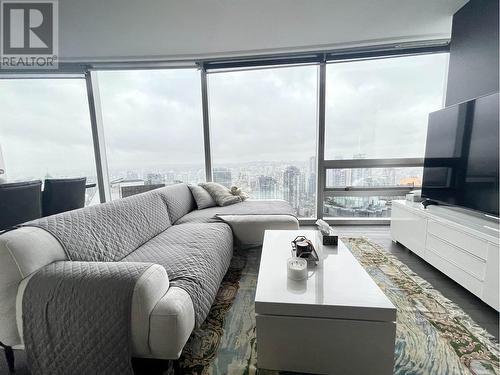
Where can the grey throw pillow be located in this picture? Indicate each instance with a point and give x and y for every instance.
(220, 194)
(202, 197)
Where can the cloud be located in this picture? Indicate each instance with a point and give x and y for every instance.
(379, 107)
(263, 114)
(45, 127)
(154, 118)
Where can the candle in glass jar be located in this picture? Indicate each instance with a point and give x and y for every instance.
(297, 268)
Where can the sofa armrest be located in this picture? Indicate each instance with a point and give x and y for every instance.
(172, 318)
(23, 251)
(148, 291)
(150, 287)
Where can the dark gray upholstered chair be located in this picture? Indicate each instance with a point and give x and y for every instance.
(20, 202)
(65, 194)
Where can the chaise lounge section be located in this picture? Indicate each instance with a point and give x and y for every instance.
(189, 251)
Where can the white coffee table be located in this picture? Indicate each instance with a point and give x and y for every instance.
(338, 321)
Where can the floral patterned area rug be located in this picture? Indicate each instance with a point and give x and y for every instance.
(434, 336)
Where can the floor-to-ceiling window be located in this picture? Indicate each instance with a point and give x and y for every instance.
(153, 128)
(263, 124)
(376, 127)
(263, 133)
(45, 130)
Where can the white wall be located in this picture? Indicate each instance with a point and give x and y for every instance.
(114, 30)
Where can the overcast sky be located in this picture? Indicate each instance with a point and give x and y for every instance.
(380, 107)
(153, 118)
(45, 127)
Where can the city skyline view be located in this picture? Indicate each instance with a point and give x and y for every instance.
(292, 181)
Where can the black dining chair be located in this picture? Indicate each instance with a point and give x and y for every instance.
(63, 194)
(20, 202)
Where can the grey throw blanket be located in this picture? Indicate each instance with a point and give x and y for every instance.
(108, 232)
(116, 232)
(196, 257)
(248, 207)
(258, 207)
(76, 318)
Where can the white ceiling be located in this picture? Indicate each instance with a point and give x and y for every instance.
(114, 30)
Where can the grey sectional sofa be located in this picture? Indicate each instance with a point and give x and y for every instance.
(162, 227)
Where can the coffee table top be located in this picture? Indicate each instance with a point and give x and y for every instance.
(339, 287)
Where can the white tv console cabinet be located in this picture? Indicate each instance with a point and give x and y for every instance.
(462, 246)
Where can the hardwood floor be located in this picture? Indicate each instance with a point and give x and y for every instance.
(483, 314)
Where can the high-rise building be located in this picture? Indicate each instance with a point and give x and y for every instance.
(223, 176)
(154, 179)
(291, 186)
(338, 177)
(267, 187)
(169, 177)
(245, 181)
(311, 185)
(359, 175)
(132, 175)
(311, 165)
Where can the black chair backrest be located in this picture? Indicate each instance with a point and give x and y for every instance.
(20, 202)
(65, 194)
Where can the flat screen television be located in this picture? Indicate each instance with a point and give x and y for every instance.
(462, 155)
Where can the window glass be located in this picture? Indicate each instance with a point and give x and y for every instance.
(45, 131)
(359, 206)
(263, 133)
(374, 177)
(379, 108)
(153, 128)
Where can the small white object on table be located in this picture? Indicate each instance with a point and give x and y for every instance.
(297, 268)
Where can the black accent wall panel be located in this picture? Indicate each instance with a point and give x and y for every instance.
(474, 64)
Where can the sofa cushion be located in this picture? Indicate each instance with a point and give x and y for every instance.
(109, 231)
(179, 200)
(248, 207)
(248, 220)
(196, 257)
(221, 194)
(207, 215)
(248, 230)
(202, 197)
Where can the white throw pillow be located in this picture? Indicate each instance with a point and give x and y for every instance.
(202, 197)
(220, 194)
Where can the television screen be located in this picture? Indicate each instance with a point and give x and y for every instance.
(462, 155)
